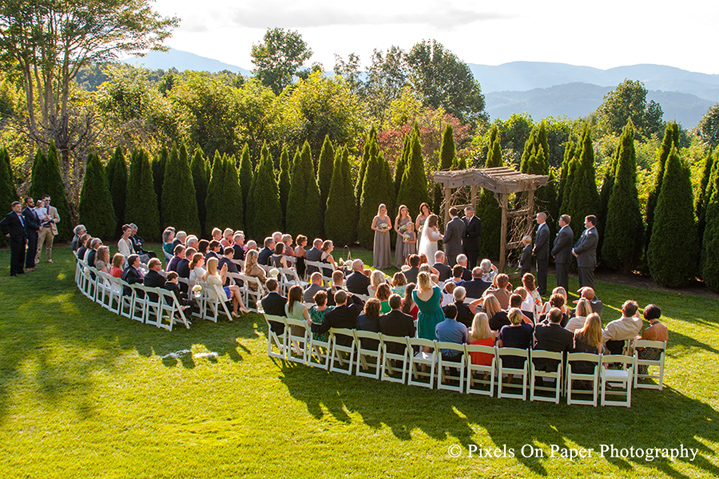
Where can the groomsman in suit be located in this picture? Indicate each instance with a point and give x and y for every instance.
(562, 251)
(453, 234)
(48, 221)
(32, 228)
(13, 226)
(541, 252)
(473, 230)
(586, 252)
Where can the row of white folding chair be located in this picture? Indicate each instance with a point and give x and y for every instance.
(323, 268)
(250, 289)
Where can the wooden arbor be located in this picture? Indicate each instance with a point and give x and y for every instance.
(502, 181)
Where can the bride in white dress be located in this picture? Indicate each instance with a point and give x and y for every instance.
(430, 237)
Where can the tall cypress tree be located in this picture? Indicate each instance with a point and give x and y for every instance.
(140, 194)
(8, 193)
(568, 157)
(284, 182)
(200, 180)
(369, 143)
(245, 173)
(372, 195)
(224, 196)
(413, 190)
(324, 171)
(447, 159)
(389, 197)
(710, 241)
(266, 214)
(671, 140)
(116, 172)
(340, 214)
(95, 210)
(401, 163)
(46, 180)
(179, 197)
(488, 208)
(672, 253)
(159, 163)
(624, 225)
(303, 201)
(584, 197)
(604, 195)
(703, 195)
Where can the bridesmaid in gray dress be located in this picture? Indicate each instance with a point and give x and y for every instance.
(400, 227)
(382, 225)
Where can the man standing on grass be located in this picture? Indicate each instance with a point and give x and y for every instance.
(48, 221)
(541, 252)
(13, 226)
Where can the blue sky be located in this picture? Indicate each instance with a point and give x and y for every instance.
(599, 34)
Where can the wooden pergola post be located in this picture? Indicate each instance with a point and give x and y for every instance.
(447, 199)
(503, 239)
(530, 210)
(474, 197)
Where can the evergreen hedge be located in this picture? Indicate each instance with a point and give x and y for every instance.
(284, 183)
(447, 159)
(266, 214)
(95, 210)
(8, 193)
(141, 199)
(372, 195)
(369, 142)
(702, 196)
(340, 213)
(673, 249)
(159, 163)
(324, 171)
(179, 198)
(488, 208)
(671, 140)
(116, 172)
(303, 202)
(584, 197)
(710, 241)
(224, 196)
(401, 164)
(246, 173)
(200, 169)
(413, 190)
(46, 180)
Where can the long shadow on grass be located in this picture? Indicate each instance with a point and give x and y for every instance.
(657, 419)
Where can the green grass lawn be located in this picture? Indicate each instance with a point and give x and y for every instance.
(85, 393)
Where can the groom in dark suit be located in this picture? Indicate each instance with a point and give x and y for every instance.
(562, 251)
(32, 228)
(541, 252)
(586, 252)
(13, 226)
(472, 232)
(453, 235)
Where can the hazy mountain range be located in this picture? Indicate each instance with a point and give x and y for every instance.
(540, 89)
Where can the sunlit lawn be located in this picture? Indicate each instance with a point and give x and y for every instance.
(85, 393)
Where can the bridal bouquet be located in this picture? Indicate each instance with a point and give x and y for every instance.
(403, 229)
(383, 226)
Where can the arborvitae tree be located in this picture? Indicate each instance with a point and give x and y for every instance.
(159, 163)
(141, 197)
(369, 143)
(372, 194)
(447, 151)
(116, 172)
(200, 180)
(46, 180)
(672, 254)
(324, 171)
(604, 195)
(401, 163)
(460, 163)
(568, 157)
(245, 173)
(179, 197)
(530, 148)
(488, 208)
(710, 242)
(284, 182)
(584, 197)
(624, 225)
(544, 142)
(266, 214)
(671, 140)
(389, 198)
(571, 170)
(95, 209)
(224, 196)
(413, 190)
(8, 193)
(303, 202)
(340, 214)
(703, 195)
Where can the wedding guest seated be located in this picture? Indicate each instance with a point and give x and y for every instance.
(623, 329)
(318, 311)
(409, 307)
(192, 242)
(583, 310)
(183, 266)
(383, 293)
(376, 278)
(530, 285)
(287, 242)
(656, 331)
(238, 247)
(78, 231)
(227, 238)
(515, 301)
(451, 331)
(102, 259)
(411, 274)
(448, 293)
(326, 257)
(399, 283)
(253, 269)
(226, 293)
(587, 339)
(83, 246)
(477, 286)
(527, 306)
(251, 246)
(274, 304)
(517, 334)
(565, 308)
(216, 234)
(299, 254)
(342, 316)
(179, 254)
(203, 247)
(132, 274)
(154, 277)
(441, 267)
(457, 272)
(502, 291)
(168, 237)
(263, 257)
(357, 282)
(180, 238)
(314, 254)
(118, 261)
(172, 285)
(197, 271)
(124, 245)
(214, 250)
(226, 260)
(466, 273)
(396, 323)
(555, 301)
(497, 316)
(551, 336)
(138, 244)
(314, 287)
(295, 308)
(489, 271)
(277, 237)
(278, 260)
(91, 255)
(589, 294)
(481, 334)
(464, 314)
(369, 321)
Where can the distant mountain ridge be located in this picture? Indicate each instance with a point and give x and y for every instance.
(183, 61)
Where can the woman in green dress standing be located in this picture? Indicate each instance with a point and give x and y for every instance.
(428, 299)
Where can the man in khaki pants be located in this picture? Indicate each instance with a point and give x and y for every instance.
(48, 220)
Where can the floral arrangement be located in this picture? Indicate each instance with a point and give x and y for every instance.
(383, 226)
(197, 290)
(274, 273)
(348, 263)
(403, 228)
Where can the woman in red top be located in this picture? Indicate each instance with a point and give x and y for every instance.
(117, 261)
(481, 334)
(409, 306)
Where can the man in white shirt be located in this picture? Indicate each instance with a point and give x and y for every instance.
(625, 328)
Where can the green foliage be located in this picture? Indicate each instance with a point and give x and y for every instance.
(703, 194)
(324, 171)
(8, 193)
(200, 179)
(629, 102)
(568, 157)
(673, 249)
(401, 163)
(413, 190)
(159, 163)
(671, 140)
(46, 180)
(583, 198)
(624, 226)
(605, 193)
(374, 192)
(708, 128)
(116, 172)
(246, 179)
(179, 197)
(488, 208)
(264, 209)
(369, 143)
(341, 214)
(284, 182)
(447, 151)
(141, 199)
(95, 209)
(278, 58)
(494, 156)
(224, 196)
(303, 202)
(710, 241)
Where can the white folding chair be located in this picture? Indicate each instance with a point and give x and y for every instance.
(115, 294)
(79, 266)
(369, 359)
(323, 268)
(103, 295)
(658, 363)
(392, 361)
(138, 309)
(319, 353)
(297, 331)
(555, 375)
(127, 301)
(474, 369)
(427, 360)
(276, 343)
(503, 353)
(153, 306)
(620, 380)
(449, 371)
(593, 378)
(251, 288)
(337, 351)
(212, 299)
(170, 306)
